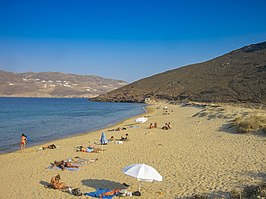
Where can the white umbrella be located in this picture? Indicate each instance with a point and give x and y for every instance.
(141, 119)
(142, 172)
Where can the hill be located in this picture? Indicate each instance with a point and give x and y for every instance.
(238, 76)
(54, 84)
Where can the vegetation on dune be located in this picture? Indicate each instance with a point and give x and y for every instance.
(250, 124)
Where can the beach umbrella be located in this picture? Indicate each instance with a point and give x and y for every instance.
(103, 139)
(141, 119)
(142, 172)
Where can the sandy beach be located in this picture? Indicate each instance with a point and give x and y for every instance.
(198, 155)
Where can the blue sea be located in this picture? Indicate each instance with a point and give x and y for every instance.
(46, 119)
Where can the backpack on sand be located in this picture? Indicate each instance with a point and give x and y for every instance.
(76, 192)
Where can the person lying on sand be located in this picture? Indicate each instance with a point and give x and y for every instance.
(89, 149)
(118, 129)
(78, 160)
(111, 139)
(63, 164)
(51, 146)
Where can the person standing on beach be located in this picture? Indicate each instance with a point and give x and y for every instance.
(23, 142)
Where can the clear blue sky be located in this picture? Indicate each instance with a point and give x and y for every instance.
(123, 39)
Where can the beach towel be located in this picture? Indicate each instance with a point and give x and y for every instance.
(134, 126)
(89, 150)
(103, 193)
(66, 168)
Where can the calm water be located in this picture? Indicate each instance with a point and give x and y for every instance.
(45, 119)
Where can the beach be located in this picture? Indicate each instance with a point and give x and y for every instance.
(198, 155)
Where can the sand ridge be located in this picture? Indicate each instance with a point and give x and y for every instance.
(196, 156)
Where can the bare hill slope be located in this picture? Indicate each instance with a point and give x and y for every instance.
(54, 84)
(238, 76)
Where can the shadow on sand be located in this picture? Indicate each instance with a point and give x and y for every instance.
(44, 183)
(104, 184)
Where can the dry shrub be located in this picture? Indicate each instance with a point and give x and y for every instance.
(248, 124)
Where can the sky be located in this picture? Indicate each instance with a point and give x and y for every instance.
(123, 39)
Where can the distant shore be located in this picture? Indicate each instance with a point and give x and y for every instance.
(197, 156)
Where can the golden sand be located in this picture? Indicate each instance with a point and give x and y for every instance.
(196, 156)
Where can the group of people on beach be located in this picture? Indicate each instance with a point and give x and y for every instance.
(167, 126)
(153, 125)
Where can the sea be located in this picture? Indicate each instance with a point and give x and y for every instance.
(46, 119)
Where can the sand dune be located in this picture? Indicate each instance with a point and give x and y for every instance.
(196, 156)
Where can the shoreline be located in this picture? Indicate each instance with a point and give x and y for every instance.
(196, 156)
(47, 142)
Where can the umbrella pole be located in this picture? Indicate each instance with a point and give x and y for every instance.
(139, 185)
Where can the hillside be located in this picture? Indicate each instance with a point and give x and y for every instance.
(238, 76)
(54, 84)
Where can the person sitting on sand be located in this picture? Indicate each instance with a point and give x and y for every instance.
(151, 126)
(63, 164)
(51, 146)
(155, 125)
(169, 125)
(56, 184)
(124, 138)
(165, 127)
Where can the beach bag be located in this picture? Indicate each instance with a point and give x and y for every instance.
(136, 193)
(76, 192)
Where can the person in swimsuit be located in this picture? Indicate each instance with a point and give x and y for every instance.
(56, 184)
(23, 142)
(63, 164)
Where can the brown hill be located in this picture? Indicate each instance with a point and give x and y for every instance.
(238, 76)
(54, 84)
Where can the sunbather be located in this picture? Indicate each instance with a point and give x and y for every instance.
(111, 139)
(124, 138)
(51, 146)
(78, 160)
(89, 149)
(165, 127)
(63, 164)
(56, 184)
(110, 193)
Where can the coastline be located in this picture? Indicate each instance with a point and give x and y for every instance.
(195, 157)
(58, 124)
(47, 142)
